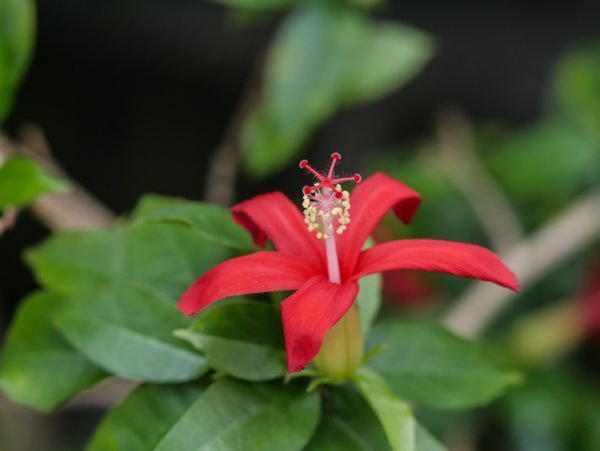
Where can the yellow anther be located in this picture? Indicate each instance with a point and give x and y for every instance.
(325, 213)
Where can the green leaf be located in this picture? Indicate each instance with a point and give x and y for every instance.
(129, 332)
(17, 24)
(369, 300)
(369, 297)
(122, 285)
(394, 414)
(558, 151)
(424, 441)
(22, 180)
(231, 416)
(427, 364)
(390, 56)
(348, 423)
(242, 338)
(324, 57)
(577, 87)
(39, 368)
(213, 222)
(142, 419)
(165, 258)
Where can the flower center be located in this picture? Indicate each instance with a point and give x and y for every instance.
(326, 205)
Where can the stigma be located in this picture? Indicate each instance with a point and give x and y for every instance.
(326, 205)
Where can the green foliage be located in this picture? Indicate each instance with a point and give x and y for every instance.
(369, 297)
(122, 283)
(424, 441)
(323, 59)
(39, 368)
(17, 27)
(577, 88)
(427, 364)
(369, 300)
(241, 338)
(157, 257)
(141, 420)
(211, 221)
(22, 180)
(129, 332)
(227, 416)
(563, 158)
(544, 414)
(348, 423)
(394, 414)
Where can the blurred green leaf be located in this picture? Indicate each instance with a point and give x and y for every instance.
(394, 414)
(427, 364)
(39, 368)
(577, 87)
(241, 338)
(214, 223)
(369, 297)
(561, 155)
(366, 4)
(165, 258)
(22, 180)
(590, 437)
(129, 332)
(369, 300)
(425, 441)
(324, 57)
(389, 55)
(17, 27)
(544, 414)
(142, 419)
(232, 416)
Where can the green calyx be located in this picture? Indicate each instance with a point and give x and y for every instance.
(342, 350)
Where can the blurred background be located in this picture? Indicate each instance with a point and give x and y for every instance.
(493, 116)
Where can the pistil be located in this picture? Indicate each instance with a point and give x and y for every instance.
(333, 263)
(327, 213)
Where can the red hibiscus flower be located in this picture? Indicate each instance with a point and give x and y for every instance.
(325, 275)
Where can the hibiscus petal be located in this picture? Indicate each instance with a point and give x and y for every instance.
(370, 200)
(309, 313)
(275, 217)
(459, 259)
(260, 272)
